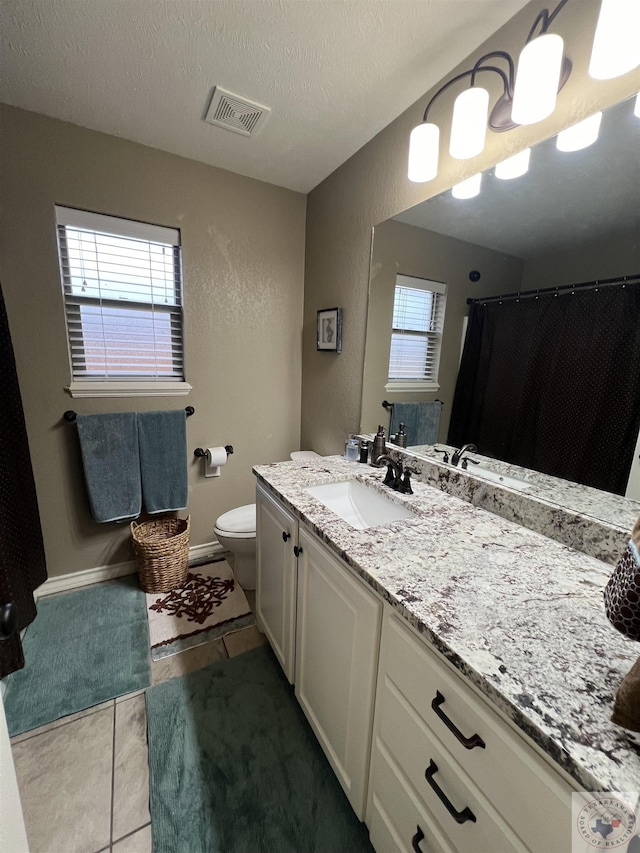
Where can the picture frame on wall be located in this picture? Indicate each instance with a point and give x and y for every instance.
(330, 330)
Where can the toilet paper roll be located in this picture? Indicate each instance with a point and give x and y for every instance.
(214, 458)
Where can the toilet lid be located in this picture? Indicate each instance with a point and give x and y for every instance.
(239, 520)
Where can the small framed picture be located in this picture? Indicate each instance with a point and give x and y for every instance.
(330, 330)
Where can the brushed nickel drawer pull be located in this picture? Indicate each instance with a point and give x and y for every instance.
(417, 838)
(467, 742)
(459, 817)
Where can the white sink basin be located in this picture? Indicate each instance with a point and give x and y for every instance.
(358, 505)
(497, 477)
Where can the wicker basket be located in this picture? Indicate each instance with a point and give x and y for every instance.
(162, 550)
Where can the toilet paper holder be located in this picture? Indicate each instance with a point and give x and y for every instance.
(200, 451)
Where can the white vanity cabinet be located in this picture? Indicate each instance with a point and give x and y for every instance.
(323, 624)
(276, 567)
(337, 641)
(423, 757)
(447, 772)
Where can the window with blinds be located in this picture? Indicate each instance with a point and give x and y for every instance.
(122, 287)
(416, 335)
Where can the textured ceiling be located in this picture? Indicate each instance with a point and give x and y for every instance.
(334, 72)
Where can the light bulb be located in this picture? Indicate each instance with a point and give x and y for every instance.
(616, 44)
(469, 188)
(424, 145)
(514, 166)
(469, 123)
(581, 135)
(537, 80)
(636, 109)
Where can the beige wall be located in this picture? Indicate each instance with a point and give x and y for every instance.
(616, 255)
(243, 260)
(405, 249)
(372, 186)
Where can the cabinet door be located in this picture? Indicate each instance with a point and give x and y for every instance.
(337, 642)
(276, 536)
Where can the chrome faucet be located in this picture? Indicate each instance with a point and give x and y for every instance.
(394, 471)
(466, 448)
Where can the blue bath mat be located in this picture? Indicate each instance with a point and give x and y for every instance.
(235, 768)
(83, 648)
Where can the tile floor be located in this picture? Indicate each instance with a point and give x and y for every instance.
(84, 779)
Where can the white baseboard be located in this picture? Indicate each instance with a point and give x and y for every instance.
(74, 580)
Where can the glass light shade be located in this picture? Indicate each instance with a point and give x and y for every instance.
(616, 44)
(537, 79)
(469, 188)
(424, 146)
(581, 135)
(514, 166)
(636, 109)
(469, 123)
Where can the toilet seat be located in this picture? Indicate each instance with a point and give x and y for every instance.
(238, 523)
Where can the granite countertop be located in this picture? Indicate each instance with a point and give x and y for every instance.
(586, 519)
(520, 615)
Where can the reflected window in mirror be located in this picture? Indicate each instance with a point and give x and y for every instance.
(416, 334)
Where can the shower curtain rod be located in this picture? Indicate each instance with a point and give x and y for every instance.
(602, 282)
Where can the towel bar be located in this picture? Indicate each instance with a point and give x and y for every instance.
(70, 415)
(387, 405)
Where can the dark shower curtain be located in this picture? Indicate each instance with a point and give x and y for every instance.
(553, 383)
(22, 562)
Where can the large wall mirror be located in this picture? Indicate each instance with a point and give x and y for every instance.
(574, 217)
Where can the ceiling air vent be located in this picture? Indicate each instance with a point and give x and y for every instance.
(236, 113)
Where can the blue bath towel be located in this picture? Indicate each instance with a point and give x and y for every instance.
(162, 437)
(109, 447)
(421, 421)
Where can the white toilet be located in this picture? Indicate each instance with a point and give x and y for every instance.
(236, 532)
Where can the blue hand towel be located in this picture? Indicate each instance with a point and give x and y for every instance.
(421, 421)
(109, 447)
(162, 437)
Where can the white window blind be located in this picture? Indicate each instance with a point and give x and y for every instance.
(122, 287)
(418, 320)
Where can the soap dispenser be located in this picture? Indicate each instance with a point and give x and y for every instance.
(379, 445)
(401, 436)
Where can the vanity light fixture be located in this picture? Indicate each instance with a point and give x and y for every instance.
(514, 167)
(469, 123)
(616, 44)
(542, 72)
(536, 86)
(469, 188)
(580, 135)
(424, 142)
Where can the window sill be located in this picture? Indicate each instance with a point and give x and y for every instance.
(415, 385)
(128, 389)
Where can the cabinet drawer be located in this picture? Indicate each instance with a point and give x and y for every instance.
(465, 815)
(514, 778)
(398, 822)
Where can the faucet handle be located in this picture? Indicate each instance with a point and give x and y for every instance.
(405, 483)
(445, 453)
(390, 477)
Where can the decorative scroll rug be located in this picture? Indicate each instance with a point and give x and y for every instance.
(206, 606)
